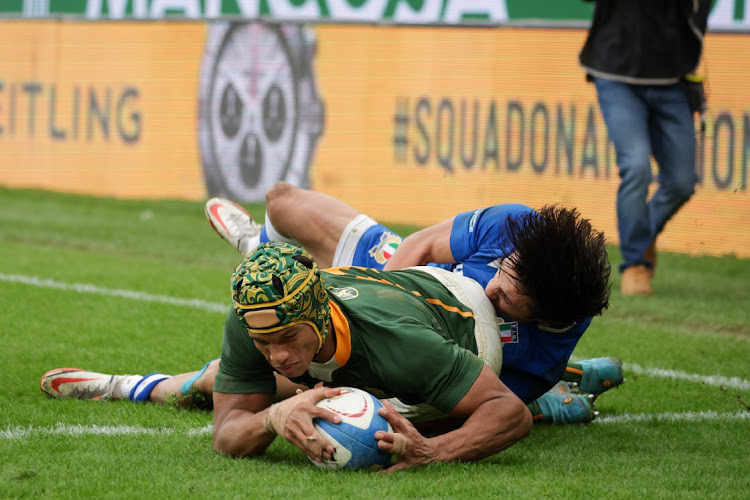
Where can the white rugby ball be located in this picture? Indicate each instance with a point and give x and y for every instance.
(353, 439)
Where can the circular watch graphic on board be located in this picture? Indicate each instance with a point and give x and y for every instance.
(260, 113)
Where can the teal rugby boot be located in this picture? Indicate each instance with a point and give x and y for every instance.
(560, 406)
(595, 376)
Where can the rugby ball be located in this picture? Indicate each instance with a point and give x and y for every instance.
(353, 439)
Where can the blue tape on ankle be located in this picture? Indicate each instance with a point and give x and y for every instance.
(142, 390)
(188, 384)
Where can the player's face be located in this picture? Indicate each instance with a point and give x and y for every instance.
(290, 350)
(502, 290)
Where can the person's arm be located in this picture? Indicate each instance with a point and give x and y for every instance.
(431, 244)
(238, 423)
(495, 420)
(245, 424)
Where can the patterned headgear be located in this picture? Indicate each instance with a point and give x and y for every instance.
(284, 279)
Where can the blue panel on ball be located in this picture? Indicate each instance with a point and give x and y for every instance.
(361, 443)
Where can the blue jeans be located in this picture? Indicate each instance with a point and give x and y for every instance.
(643, 120)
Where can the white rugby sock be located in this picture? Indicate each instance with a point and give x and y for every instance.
(124, 388)
(248, 243)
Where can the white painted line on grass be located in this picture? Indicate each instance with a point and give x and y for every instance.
(98, 430)
(693, 416)
(128, 294)
(714, 380)
(17, 432)
(202, 431)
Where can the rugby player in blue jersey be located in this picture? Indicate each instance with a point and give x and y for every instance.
(545, 271)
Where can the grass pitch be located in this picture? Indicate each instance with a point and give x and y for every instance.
(106, 285)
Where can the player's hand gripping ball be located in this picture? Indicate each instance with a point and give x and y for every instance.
(353, 439)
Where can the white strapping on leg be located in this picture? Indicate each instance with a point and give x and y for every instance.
(353, 232)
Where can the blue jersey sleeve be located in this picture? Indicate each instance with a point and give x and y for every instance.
(479, 237)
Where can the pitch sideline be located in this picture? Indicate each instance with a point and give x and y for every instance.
(713, 380)
(114, 292)
(17, 432)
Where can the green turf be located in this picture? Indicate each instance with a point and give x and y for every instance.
(645, 444)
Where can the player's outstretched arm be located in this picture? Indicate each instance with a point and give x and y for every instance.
(238, 423)
(245, 424)
(495, 420)
(431, 244)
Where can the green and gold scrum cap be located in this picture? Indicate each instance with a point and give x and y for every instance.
(280, 285)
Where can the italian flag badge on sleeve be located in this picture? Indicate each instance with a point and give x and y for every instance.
(386, 247)
(509, 332)
(389, 249)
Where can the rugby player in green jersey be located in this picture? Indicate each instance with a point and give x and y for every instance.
(423, 335)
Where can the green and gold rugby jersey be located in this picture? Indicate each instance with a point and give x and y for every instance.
(398, 334)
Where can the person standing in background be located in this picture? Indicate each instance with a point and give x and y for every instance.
(638, 53)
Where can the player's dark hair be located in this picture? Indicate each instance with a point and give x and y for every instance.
(560, 263)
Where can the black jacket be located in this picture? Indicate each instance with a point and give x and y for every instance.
(645, 42)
